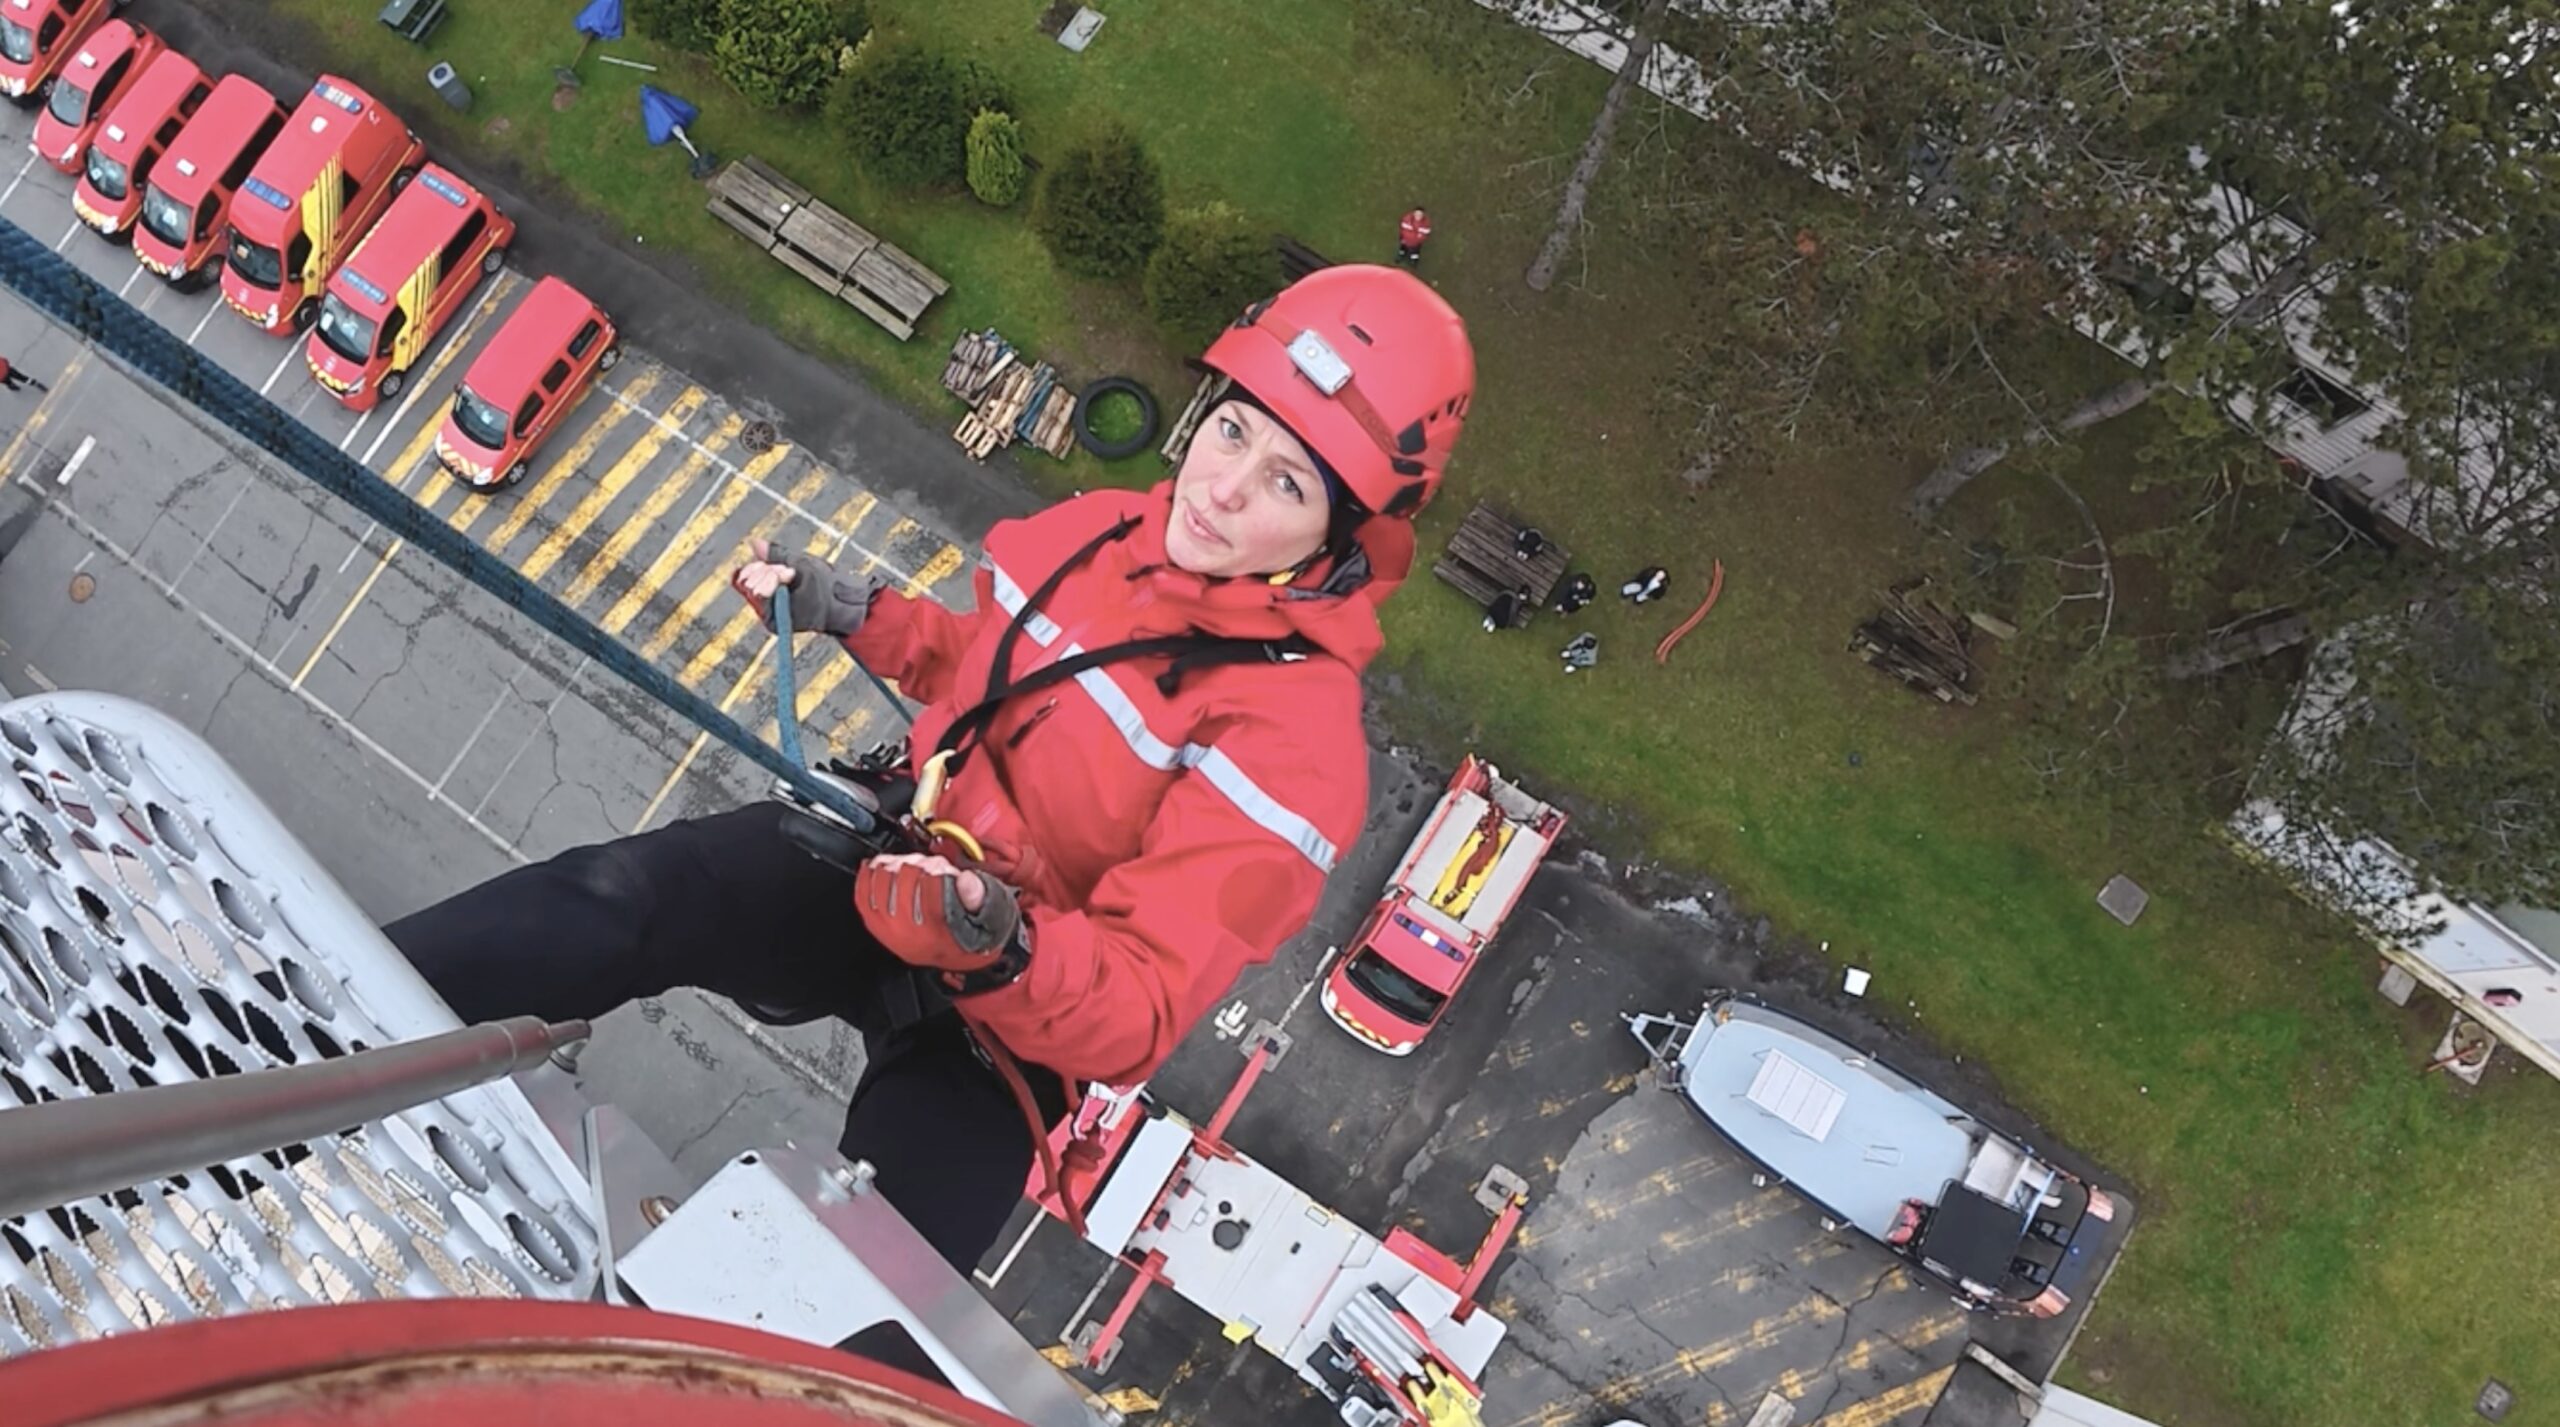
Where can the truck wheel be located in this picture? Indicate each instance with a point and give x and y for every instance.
(306, 313)
(515, 475)
(392, 381)
(401, 179)
(493, 261)
(611, 359)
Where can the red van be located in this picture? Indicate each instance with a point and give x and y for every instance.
(308, 200)
(100, 74)
(129, 144)
(186, 209)
(402, 284)
(36, 36)
(529, 376)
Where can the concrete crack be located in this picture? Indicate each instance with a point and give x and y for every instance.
(1848, 1321)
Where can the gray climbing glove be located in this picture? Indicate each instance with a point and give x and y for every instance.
(823, 599)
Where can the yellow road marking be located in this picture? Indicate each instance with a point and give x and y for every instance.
(43, 413)
(341, 621)
(945, 561)
(422, 443)
(711, 586)
(1130, 1401)
(701, 527)
(608, 486)
(662, 498)
(1892, 1402)
(469, 512)
(842, 735)
(875, 559)
(757, 667)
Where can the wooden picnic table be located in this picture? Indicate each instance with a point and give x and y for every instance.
(846, 260)
(1483, 561)
(750, 197)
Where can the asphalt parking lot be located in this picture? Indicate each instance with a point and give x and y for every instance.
(420, 736)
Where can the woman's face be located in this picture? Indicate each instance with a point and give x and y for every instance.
(1247, 500)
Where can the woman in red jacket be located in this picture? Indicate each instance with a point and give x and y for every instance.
(1150, 826)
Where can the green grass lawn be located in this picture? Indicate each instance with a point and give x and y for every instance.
(2331, 1241)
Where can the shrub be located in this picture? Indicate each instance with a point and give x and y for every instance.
(685, 24)
(1100, 210)
(1211, 265)
(996, 171)
(853, 21)
(778, 52)
(905, 112)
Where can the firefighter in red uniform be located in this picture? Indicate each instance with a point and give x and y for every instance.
(1149, 827)
(1410, 231)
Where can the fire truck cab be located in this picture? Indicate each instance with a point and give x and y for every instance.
(529, 376)
(137, 132)
(101, 73)
(37, 36)
(315, 192)
(187, 206)
(401, 285)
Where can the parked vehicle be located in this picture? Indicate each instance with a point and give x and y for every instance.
(129, 144)
(530, 375)
(1451, 893)
(311, 197)
(403, 282)
(99, 74)
(38, 36)
(186, 210)
(1968, 1206)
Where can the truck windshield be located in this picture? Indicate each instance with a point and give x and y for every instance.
(256, 263)
(17, 42)
(479, 420)
(1393, 989)
(70, 103)
(166, 217)
(108, 177)
(348, 333)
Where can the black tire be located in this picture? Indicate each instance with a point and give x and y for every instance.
(306, 314)
(1115, 450)
(401, 179)
(493, 261)
(391, 384)
(515, 475)
(611, 359)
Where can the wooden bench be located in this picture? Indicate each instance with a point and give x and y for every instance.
(1483, 561)
(753, 199)
(846, 260)
(1296, 258)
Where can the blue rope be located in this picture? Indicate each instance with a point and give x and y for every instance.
(51, 284)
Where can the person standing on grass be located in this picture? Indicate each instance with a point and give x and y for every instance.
(1410, 232)
(12, 379)
(1139, 757)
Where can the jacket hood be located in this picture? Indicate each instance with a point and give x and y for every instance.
(1334, 605)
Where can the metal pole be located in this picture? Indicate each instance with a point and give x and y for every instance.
(68, 1150)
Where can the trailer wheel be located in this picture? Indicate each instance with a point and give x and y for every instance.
(1127, 446)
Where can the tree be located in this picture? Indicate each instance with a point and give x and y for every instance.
(906, 111)
(1595, 146)
(778, 53)
(1212, 264)
(1100, 210)
(997, 173)
(686, 24)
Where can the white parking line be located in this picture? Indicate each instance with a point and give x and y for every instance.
(358, 429)
(21, 177)
(290, 352)
(129, 280)
(215, 529)
(369, 528)
(204, 321)
(65, 240)
(79, 458)
(531, 734)
(477, 729)
(169, 591)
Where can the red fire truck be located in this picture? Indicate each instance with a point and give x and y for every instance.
(186, 210)
(313, 194)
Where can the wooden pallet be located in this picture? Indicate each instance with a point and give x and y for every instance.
(1916, 641)
(1178, 439)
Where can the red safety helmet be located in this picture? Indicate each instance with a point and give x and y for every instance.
(1369, 367)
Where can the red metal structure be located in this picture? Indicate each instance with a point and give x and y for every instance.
(439, 1362)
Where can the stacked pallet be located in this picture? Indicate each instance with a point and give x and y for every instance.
(1918, 641)
(1009, 401)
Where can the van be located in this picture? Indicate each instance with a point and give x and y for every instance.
(401, 285)
(97, 76)
(310, 199)
(186, 209)
(129, 144)
(529, 376)
(37, 36)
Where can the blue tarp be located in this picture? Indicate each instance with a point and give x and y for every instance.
(664, 113)
(601, 20)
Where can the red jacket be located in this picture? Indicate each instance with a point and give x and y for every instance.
(1413, 228)
(1161, 844)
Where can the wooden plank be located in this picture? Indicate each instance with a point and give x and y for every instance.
(790, 192)
(748, 226)
(799, 262)
(758, 192)
(906, 260)
(831, 240)
(898, 326)
(890, 284)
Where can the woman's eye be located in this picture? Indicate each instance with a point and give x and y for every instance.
(1228, 428)
(1289, 487)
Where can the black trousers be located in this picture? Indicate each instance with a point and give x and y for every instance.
(728, 905)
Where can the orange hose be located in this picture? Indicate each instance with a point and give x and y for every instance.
(1715, 587)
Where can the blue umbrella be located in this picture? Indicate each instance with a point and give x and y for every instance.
(601, 20)
(664, 115)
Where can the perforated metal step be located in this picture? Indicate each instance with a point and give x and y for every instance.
(157, 924)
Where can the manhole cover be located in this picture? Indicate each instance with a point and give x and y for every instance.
(758, 436)
(83, 585)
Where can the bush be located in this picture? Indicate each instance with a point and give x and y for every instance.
(1101, 209)
(996, 171)
(905, 113)
(1211, 265)
(686, 24)
(778, 52)
(853, 21)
